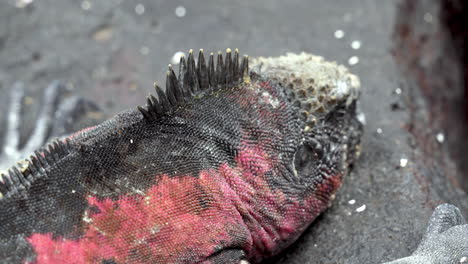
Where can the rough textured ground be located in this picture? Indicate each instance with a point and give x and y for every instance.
(112, 55)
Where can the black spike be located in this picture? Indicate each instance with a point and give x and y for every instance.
(13, 178)
(32, 166)
(162, 99)
(6, 185)
(211, 71)
(48, 156)
(170, 93)
(202, 72)
(157, 107)
(149, 102)
(244, 70)
(191, 74)
(236, 65)
(220, 73)
(145, 113)
(53, 152)
(36, 164)
(59, 147)
(174, 86)
(228, 67)
(41, 159)
(181, 79)
(67, 145)
(21, 178)
(3, 186)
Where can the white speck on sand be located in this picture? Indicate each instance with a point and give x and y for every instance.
(398, 91)
(403, 162)
(428, 18)
(176, 57)
(140, 9)
(144, 50)
(352, 201)
(356, 44)
(23, 3)
(85, 5)
(180, 11)
(463, 259)
(339, 34)
(353, 60)
(361, 209)
(379, 131)
(440, 137)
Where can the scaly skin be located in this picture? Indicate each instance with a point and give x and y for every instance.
(225, 166)
(222, 174)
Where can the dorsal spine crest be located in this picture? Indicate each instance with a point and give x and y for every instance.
(194, 78)
(19, 177)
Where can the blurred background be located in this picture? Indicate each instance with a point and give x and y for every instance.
(409, 55)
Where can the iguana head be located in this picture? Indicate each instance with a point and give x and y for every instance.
(224, 164)
(325, 96)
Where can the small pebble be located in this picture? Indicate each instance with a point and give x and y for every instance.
(403, 162)
(379, 131)
(361, 209)
(131, 141)
(463, 259)
(339, 34)
(440, 137)
(428, 17)
(73, 191)
(353, 60)
(356, 44)
(140, 9)
(180, 11)
(176, 58)
(85, 5)
(144, 50)
(352, 201)
(398, 91)
(23, 3)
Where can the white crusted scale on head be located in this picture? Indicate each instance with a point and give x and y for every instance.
(313, 84)
(311, 73)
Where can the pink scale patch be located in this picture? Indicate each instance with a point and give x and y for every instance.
(186, 218)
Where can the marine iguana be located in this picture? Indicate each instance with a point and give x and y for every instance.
(226, 165)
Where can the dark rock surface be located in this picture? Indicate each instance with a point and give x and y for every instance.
(112, 55)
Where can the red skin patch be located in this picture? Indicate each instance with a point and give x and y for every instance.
(186, 219)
